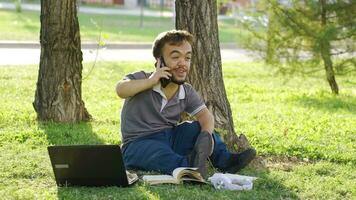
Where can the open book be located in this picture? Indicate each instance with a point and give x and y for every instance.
(131, 177)
(180, 174)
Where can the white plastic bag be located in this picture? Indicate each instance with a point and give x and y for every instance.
(232, 181)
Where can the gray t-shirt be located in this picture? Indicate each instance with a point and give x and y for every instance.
(149, 111)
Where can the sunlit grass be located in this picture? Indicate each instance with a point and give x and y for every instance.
(111, 28)
(299, 117)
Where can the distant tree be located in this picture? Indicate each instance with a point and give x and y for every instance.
(307, 36)
(200, 19)
(58, 94)
(18, 6)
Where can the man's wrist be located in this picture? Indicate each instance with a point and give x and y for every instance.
(206, 132)
(151, 82)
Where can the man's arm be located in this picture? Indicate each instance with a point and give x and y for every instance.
(206, 120)
(127, 88)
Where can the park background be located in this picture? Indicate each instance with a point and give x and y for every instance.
(304, 134)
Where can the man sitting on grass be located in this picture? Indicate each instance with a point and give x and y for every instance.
(154, 102)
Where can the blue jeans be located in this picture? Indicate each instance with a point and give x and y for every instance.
(168, 149)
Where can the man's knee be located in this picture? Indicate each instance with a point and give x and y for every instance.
(136, 151)
(193, 126)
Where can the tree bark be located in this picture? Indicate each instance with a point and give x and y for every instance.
(325, 52)
(328, 65)
(200, 19)
(58, 94)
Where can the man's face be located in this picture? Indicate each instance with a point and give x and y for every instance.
(177, 58)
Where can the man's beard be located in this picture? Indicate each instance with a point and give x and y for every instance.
(178, 82)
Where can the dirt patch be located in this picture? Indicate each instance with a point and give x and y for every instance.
(263, 163)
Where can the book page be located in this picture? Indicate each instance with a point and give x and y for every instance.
(180, 171)
(188, 174)
(157, 179)
(131, 177)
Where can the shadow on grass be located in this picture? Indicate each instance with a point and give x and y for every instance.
(265, 187)
(328, 103)
(71, 133)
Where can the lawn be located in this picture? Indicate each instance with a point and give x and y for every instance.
(305, 135)
(112, 28)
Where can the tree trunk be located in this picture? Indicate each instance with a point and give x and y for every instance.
(58, 94)
(325, 52)
(271, 43)
(200, 19)
(328, 65)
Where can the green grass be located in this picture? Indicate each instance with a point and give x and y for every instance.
(299, 119)
(313, 123)
(114, 28)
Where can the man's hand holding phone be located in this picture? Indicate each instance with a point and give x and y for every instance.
(161, 74)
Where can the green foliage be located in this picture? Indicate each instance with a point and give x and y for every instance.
(279, 117)
(306, 36)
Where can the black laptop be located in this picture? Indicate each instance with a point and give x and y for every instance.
(89, 165)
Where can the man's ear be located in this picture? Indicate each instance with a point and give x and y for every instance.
(156, 62)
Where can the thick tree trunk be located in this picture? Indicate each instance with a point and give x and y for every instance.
(200, 19)
(58, 95)
(325, 52)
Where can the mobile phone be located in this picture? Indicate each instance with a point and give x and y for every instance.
(164, 81)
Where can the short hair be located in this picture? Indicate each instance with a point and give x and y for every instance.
(173, 37)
